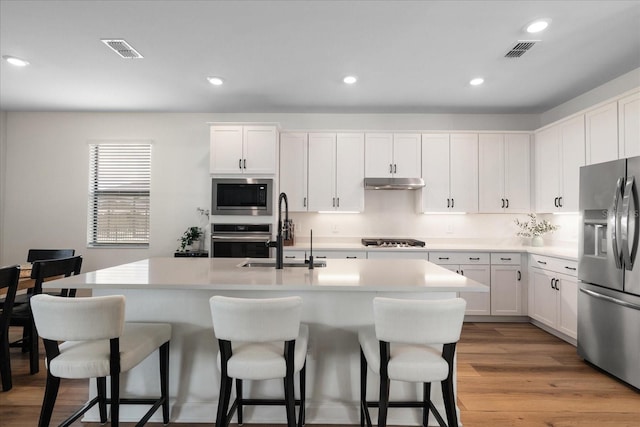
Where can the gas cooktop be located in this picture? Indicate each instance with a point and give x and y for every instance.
(392, 243)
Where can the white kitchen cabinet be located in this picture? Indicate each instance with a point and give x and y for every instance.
(293, 169)
(450, 172)
(629, 126)
(336, 172)
(554, 293)
(392, 155)
(559, 153)
(397, 254)
(601, 134)
(243, 149)
(476, 267)
(504, 173)
(507, 289)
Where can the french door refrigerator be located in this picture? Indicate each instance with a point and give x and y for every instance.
(609, 291)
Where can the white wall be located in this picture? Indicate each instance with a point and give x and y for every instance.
(3, 162)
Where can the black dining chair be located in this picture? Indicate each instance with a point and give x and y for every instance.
(8, 283)
(22, 316)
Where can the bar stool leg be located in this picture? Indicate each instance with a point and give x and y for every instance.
(50, 394)
(5, 363)
(164, 381)
(34, 352)
(426, 398)
(239, 400)
(115, 400)
(101, 384)
(449, 402)
(223, 400)
(290, 402)
(363, 388)
(303, 395)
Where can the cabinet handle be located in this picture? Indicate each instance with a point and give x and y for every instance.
(552, 287)
(559, 202)
(474, 258)
(462, 272)
(322, 257)
(333, 203)
(304, 202)
(453, 202)
(337, 202)
(557, 283)
(505, 259)
(570, 268)
(502, 203)
(239, 163)
(395, 168)
(555, 202)
(442, 257)
(542, 262)
(507, 203)
(448, 203)
(245, 163)
(519, 275)
(289, 256)
(352, 257)
(390, 168)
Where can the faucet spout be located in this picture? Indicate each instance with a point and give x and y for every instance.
(280, 239)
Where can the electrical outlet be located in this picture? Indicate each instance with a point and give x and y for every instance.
(334, 229)
(449, 228)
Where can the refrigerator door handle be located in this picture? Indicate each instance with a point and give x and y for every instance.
(614, 232)
(629, 243)
(610, 299)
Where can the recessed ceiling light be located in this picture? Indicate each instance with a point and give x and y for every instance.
(537, 26)
(15, 61)
(350, 80)
(216, 81)
(477, 81)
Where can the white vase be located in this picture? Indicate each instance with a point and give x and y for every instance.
(537, 241)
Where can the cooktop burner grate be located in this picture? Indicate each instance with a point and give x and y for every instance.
(392, 243)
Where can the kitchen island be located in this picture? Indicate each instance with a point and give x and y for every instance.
(337, 301)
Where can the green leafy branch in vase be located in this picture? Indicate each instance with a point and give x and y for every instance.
(533, 228)
(192, 234)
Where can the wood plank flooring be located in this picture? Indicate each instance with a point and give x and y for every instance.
(509, 375)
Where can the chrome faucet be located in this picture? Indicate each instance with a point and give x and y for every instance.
(282, 228)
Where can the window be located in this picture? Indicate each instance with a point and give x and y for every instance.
(119, 190)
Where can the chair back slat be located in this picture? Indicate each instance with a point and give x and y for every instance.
(9, 277)
(256, 320)
(45, 269)
(40, 254)
(78, 319)
(419, 321)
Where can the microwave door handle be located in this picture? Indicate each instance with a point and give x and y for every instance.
(242, 238)
(629, 243)
(614, 223)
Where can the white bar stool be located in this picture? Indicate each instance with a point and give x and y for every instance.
(97, 343)
(413, 341)
(259, 339)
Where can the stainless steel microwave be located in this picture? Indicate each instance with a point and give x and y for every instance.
(241, 196)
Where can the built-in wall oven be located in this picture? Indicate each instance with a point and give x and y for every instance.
(241, 196)
(240, 240)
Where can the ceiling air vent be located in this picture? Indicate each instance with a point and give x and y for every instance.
(122, 48)
(520, 48)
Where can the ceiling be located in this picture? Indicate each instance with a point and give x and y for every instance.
(291, 56)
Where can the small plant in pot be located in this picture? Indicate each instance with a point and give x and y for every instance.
(190, 236)
(535, 229)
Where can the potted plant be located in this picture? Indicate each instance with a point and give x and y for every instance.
(535, 229)
(191, 238)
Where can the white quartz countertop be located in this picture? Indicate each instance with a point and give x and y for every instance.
(226, 274)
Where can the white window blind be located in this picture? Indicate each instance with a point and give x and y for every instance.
(119, 194)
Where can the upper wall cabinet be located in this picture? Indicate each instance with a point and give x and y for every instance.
(601, 134)
(559, 153)
(629, 126)
(450, 172)
(504, 173)
(293, 169)
(243, 149)
(336, 172)
(392, 155)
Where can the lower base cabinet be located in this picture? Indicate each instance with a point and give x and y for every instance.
(554, 294)
(507, 286)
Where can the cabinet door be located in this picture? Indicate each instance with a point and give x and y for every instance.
(463, 176)
(406, 155)
(601, 135)
(506, 290)
(547, 167)
(260, 150)
(544, 299)
(567, 305)
(572, 137)
(478, 303)
(378, 155)
(226, 150)
(435, 172)
(629, 126)
(491, 173)
(293, 170)
(349, 172)
(322, 171)
(517, 173)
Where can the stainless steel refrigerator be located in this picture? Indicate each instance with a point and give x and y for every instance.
(609, 291)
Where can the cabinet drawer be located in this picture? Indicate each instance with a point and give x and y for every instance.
(559, 265)
(459, 257)
(294, 254)
(506, 258)
(339, 255)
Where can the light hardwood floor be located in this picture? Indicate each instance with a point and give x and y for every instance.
(509, 374)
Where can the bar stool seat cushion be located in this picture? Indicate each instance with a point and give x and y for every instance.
(408, 362)
(263, 361)
(90, 359)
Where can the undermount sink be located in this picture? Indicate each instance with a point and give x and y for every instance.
(272, 263)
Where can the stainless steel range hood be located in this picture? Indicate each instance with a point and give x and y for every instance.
(393, 183)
